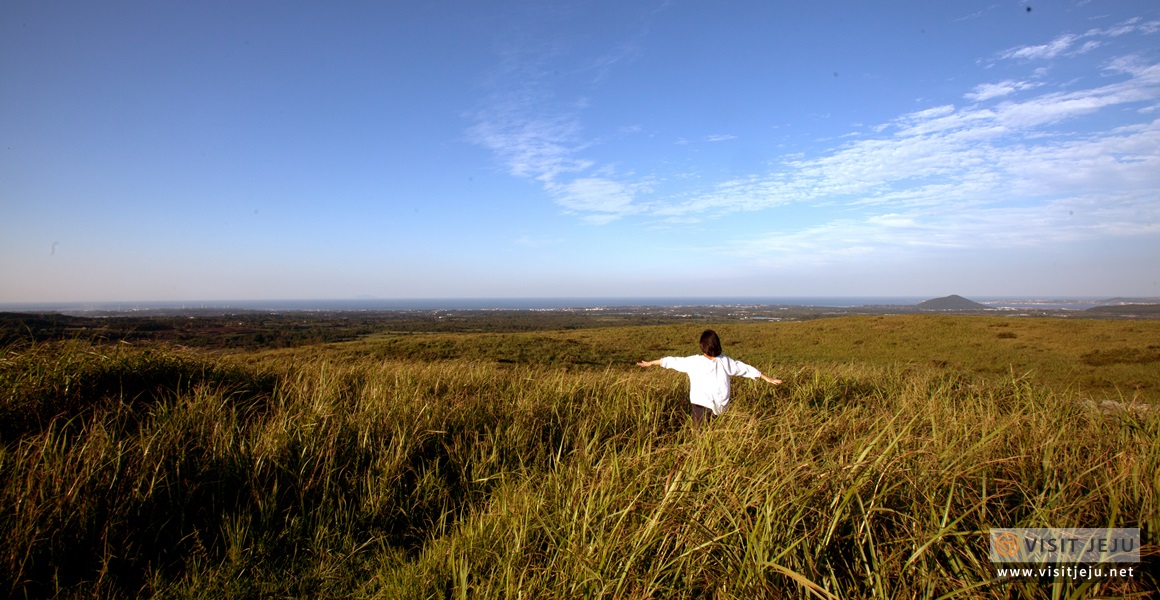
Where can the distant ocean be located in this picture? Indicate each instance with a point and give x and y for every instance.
(1057, 303)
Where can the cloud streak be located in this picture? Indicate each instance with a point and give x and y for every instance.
(988, 91)
(537, 147)
(1066, 41)
(536, 136)
(1000, 171)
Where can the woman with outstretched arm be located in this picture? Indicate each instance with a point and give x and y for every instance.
(709, 374)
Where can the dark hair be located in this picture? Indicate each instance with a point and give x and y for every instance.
(710, 343)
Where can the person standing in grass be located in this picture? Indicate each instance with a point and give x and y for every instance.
(709, 374)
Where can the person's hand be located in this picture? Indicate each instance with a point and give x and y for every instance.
(648, 363)
(771, 380)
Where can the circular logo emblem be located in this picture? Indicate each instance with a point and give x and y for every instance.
(1007, 544)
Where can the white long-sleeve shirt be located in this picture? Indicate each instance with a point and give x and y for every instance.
(709, 378)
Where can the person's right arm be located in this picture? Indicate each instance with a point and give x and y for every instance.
(648, 363)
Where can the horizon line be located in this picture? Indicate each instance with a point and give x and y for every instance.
(366, 304)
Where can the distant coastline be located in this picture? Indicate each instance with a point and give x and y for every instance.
(594, 303)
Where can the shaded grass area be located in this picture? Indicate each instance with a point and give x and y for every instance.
(336, 459)
(73, 380)
(247, 330)
(372, 470)
(255, 330)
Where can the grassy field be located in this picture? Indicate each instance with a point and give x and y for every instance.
(544, 464)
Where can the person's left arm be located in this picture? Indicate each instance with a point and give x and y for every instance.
(751, 372)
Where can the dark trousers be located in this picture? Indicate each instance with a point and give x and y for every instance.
(701, 415)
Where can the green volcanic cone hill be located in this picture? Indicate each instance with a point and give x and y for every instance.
(952, 302)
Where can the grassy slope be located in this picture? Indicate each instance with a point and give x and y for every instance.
(544, 464)
(1097, 358)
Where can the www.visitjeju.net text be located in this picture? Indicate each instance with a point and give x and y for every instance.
(1071, 572)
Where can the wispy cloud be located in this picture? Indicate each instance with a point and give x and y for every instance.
(1090, 188)
(951, 146)
(597, 199)
(987, 91)
(958, 227)
(1064, 42)
(999, 170)
(1133, 25)
(536, 135)
(1088, 46)
(537, 147)
(549, 149)
(1049, 50)
(995, 174)
(970, 16)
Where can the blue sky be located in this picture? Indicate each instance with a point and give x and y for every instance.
(274, 150)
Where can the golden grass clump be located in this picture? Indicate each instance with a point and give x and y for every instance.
(356, 470)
